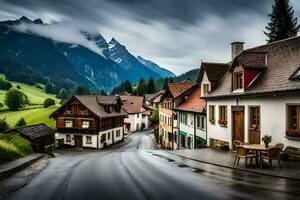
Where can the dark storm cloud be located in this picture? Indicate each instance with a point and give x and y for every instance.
(176, 34)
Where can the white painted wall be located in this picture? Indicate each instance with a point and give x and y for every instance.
(145, 120)
(190, 127)
(112, 133)
(273, 118)
(72, 142)
(93, 137)
(134, 119)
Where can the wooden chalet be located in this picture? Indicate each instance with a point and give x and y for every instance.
(90, 121)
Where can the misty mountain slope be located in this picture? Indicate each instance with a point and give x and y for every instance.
(155, 67)
(36, 53)
(134, 68)
(38, 58)
(102, 73)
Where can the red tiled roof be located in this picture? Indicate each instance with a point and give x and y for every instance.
(132, 104)
(178, 89)
(194, 102)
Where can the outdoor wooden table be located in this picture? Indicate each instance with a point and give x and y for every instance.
(258, 148)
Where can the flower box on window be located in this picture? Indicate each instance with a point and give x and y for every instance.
(222, 122)
(292, 133)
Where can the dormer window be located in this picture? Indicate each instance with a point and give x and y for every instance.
(238, 80)
(108, 109)
(205, 89)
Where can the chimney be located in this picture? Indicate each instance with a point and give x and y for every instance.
(236, 49)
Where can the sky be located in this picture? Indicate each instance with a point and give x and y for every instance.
(176, 34)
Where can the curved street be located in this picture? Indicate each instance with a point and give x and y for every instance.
(136, 170)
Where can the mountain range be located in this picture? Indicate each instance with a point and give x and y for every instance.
(32, 58)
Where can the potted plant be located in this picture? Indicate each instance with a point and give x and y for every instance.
(267, 139)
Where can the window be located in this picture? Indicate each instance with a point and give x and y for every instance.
(294, 117)
(85, 124)
(68, 138)
(223, 115)
(108, 136)
(200, 122)
(138, 115)
(68, 123)
(88, 139)
(212, 114)
(103, 138)
(183, 118)
(118, 133)
(205, 89)
(238, 80)
(254, 112)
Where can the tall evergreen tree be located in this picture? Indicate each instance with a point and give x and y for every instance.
(282, 23)
(141, 88)
(151, 86)
(166, 83)
(171, 80)
(103, 93)
(128, 87)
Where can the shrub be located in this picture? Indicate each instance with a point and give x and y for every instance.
(154, 118)
(21, 122)
(39, 87)
(48, 102)
(4, 84)
(63, 94)
(18, 87)
(15, 99)
(3, 125)
(1, 105)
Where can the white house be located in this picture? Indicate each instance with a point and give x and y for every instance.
(259, 95)
(192, 121)
(175, 94)
(137, 115)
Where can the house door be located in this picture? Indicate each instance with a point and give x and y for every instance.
(78, 140)
(238, 126)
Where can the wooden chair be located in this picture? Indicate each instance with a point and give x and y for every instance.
(278, 145)
(241, 152)
(272, 154)
(235, 144)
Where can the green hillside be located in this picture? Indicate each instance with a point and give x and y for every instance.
(35, 93)
(33, 113)
(31, 116)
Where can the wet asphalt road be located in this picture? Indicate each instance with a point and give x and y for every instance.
(135, 170)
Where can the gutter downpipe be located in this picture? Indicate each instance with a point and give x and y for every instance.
(194, 130)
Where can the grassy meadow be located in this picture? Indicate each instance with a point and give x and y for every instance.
(31, 116)
(13, 147)
(33, 113)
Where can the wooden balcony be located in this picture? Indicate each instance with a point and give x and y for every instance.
(76, 130)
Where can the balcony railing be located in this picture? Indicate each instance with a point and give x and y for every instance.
(76, 130)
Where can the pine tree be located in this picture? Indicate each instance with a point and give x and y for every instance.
(21, 122)
(103, 93)
(63, 94)
(141, 88)
(166, 83)
(127, 87)
(151, 86)
(282, 23)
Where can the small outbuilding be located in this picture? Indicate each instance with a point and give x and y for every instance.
(41, 136)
